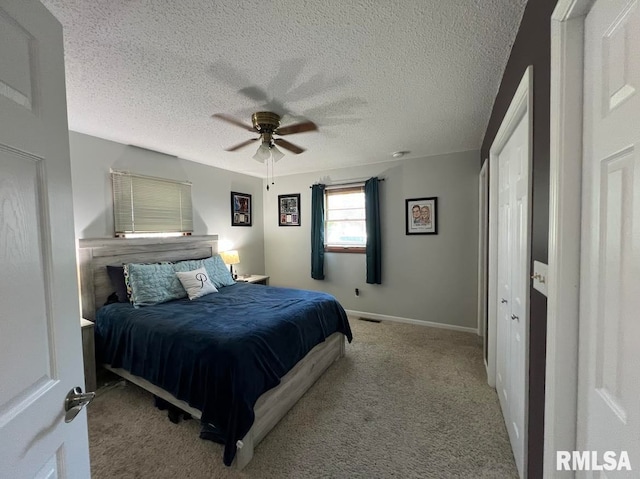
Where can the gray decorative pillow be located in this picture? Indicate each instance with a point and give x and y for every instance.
(196, 282)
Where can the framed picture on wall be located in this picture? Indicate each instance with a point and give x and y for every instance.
(289, 210)
(421, 215)
(240, 209)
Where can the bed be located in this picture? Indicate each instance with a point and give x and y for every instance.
(282, 340)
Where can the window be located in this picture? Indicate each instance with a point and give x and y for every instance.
(145, 206)
(345, 225)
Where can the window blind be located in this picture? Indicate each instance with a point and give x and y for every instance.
(144, 204)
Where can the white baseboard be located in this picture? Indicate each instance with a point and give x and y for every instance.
(419, 322)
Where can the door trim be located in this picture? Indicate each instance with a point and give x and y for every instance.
(565, 205)
(521, 104)
(483, 213)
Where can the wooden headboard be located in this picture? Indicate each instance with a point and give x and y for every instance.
(95, 254)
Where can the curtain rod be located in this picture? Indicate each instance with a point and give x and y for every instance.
(348, 183)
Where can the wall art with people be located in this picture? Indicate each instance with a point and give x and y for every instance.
(422, 216)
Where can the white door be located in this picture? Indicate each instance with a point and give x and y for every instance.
(519, 264)
(40, 336)
(504, 281)
(513, 285)
(609, 344)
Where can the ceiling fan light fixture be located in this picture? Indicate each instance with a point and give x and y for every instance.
(276, 154)
(263, 153)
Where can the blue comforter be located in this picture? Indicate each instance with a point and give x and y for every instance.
(219, 353)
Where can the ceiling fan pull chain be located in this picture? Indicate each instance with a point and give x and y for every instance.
(267, 163)
(272, 179)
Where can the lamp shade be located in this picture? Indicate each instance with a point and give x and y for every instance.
(230, 257)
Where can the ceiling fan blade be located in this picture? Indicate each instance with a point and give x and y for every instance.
(297, 128)
(242, 145)
(254, 93)
(233, 121)
(288, 146)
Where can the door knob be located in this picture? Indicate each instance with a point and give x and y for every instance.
(503, 301)
(75, 401)
(513, 316)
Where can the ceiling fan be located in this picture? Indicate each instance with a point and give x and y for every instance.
(267, 124)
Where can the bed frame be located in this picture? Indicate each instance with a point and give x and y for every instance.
(95, 254)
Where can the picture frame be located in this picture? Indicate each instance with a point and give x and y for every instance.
(241, 209)
(289, 210)
(421, 215)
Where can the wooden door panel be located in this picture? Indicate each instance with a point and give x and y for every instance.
(23, 286)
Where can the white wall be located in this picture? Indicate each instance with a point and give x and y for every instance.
(424, 277)
(92, 158)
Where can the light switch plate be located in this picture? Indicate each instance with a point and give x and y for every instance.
(540, 277)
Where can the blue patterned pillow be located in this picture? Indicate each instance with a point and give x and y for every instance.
(218, 271)
(154, 283)
(187, 265)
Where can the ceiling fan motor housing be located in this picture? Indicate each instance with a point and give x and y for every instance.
(265, 121)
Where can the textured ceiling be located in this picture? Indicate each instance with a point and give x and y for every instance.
(375, 76)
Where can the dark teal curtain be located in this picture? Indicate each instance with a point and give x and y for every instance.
(374, 240)
(317, 231)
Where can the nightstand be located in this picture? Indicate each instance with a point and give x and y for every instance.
(88, 355)
(254, 278)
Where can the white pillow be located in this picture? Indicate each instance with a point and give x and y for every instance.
(197, 283)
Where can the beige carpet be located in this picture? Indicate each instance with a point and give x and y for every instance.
(406, 401)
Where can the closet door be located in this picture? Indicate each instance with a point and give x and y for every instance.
(510, 205)
(518, 265)
(513, 286)
(504, 281)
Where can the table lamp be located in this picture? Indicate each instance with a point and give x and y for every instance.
(231, 257)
